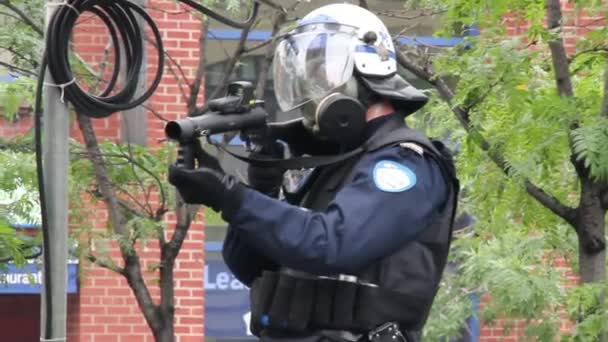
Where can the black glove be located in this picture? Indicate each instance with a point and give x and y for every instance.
(208, 184)
(267, 180)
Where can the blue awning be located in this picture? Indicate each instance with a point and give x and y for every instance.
(28, 279)
(228, 34)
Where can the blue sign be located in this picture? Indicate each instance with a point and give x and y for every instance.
(28, 279)
(227, 309)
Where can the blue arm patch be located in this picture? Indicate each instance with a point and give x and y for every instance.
(391, 176)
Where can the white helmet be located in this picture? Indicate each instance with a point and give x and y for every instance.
(329, 47)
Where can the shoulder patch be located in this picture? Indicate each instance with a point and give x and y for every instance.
(390, 176)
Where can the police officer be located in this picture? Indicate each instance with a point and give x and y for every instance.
(357, 252)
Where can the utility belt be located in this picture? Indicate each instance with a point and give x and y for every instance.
(286, 303)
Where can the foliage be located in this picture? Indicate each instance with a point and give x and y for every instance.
(18, 203)
(137, 174)
(508, 86)
(14, 95)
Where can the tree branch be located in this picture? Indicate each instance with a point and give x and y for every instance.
(18, 69)
(132, 271)
(277, 22)
(24, 17)
(9, 15)
(155, 113)
(231, 64)
(141, 292)
(30, 61)
(405, 16)
(259, 45)
(195, 88)
(184, 220)
(594, 49)
(101, 263)
(131, 161)
(179, 82)
(167, 291)
(101, 174)
(274, 5)
(558, 51)
(604, 109)
(463, 116)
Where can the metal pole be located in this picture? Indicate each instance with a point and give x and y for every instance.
(55, 161)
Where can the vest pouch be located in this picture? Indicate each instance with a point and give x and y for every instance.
(278, 311)
(345, 305)
(261, 297)
(322, 311)
(301, 306)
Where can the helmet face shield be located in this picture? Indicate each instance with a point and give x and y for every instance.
(309, 65)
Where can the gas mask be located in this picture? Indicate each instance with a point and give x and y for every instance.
(338, 117)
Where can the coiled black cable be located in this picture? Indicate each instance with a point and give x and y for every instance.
(121, 21)
(119, 18)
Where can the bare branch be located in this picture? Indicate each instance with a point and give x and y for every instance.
(558, 50)
(406, 16)
(195, 88)
(414, 67)
(173, 63)
(277, 22)
(17, 69)
(155, 113)
(162, 10)
(179, 81)
(179, 68)
(231, 64)
(24, 17)
(274, 5)
(259, 45)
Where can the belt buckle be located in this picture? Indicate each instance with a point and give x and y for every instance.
(385, 333)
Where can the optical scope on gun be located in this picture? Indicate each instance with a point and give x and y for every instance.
(238, 110)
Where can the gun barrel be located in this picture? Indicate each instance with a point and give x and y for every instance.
(187, 129)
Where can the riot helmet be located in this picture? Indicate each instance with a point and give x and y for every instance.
(336, 59)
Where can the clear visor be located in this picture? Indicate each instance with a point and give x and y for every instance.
(310, 65)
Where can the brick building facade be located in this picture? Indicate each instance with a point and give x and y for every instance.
(103, 309)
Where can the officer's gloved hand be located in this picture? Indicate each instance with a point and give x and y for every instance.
(208, 184)
(267, 180)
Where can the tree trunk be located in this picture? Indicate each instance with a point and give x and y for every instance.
(166, 333)
(592, 265)
(590, 228)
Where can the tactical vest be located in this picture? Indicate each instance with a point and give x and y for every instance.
(398, 288)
